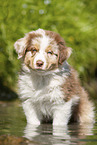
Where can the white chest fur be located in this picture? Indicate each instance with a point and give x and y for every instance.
(39, 88)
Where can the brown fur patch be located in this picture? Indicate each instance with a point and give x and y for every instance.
(31, 36)
(71, 86)
(84, 110)
(81, 110)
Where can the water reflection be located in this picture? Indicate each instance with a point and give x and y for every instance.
(46, 134)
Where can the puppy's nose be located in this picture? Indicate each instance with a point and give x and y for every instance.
(39, 63)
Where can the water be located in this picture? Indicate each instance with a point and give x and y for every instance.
(13, 122)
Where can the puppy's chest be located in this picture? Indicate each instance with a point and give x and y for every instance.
(45, 89)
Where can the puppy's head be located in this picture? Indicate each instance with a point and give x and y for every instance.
(42, 50)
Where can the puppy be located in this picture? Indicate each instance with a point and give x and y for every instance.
(48, 86)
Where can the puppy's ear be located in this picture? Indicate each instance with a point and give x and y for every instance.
(64, 53)
(20, 47)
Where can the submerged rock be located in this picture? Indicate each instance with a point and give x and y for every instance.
(13, 140)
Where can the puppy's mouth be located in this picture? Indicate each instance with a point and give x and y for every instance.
(49, 68)
(40, 69)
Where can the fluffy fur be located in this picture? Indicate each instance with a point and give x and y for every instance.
(49, 88)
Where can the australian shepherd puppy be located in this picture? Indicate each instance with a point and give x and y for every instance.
(48, 86)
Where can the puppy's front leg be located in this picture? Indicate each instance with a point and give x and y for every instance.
(31, 114)
(62, 114)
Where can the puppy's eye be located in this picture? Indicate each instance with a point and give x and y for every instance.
(50, 52)
(34, 50)
(56, 55)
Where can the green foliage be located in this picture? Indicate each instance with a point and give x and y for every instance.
(75, 20)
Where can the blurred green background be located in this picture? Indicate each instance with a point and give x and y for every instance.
(74, 20)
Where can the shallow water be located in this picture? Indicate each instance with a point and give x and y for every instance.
(13, 122)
